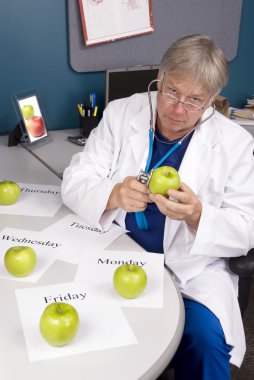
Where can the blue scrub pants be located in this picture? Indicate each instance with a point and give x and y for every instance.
(203, 353)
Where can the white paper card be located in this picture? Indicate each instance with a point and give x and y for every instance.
(35, 200)
(98, 268)
(82, 238)
(46, 246)
(101, 326)
(104, 21)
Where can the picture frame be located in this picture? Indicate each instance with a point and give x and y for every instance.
(31, 118)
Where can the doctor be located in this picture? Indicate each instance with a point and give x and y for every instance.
(209, 219)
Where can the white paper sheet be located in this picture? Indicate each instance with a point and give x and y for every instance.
(104, 21)
(97, 269)
(81, 238)
(46, 245)
(35, 200)
(101, 326)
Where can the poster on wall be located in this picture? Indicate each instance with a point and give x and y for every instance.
(106, 21)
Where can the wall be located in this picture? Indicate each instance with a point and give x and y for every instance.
(241, 76)
(34, 54)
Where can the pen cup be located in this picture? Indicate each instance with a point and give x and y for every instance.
(87, 123)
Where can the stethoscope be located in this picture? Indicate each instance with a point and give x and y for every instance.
(145, 175)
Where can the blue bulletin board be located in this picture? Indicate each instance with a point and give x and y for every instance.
(172, 19)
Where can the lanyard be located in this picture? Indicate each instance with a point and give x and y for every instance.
(140, 216)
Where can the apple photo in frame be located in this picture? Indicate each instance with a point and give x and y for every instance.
(32, 118)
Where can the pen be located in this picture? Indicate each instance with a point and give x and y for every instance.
(93, 100)
(85, 109)
(89, 112)
(80, 110)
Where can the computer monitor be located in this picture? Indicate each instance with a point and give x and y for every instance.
(124, 82)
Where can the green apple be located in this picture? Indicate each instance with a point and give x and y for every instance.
(163, 179)
(27, 111)
(9, 192)
(59, 323)
(20, 261)
(129, 280)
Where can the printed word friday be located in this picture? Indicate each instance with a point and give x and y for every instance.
(67, 297)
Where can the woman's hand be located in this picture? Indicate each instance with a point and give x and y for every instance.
(182, 204)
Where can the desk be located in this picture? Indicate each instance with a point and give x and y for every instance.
(19, 165)
(158, 331)
(56, 151)
(249, 128)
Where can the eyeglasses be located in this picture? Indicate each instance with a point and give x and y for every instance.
(188, 106)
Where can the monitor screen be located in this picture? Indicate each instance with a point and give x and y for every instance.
(121, 83)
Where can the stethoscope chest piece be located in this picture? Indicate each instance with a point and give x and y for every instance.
(144, 177)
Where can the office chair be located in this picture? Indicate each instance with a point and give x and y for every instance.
(243, 266)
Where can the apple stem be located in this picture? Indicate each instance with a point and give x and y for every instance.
(60, 309)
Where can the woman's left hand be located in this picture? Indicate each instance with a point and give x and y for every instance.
(182, 204)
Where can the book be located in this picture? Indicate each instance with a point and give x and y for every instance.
(250, 103)
(243, 113)
(244, 116)
(240, 117)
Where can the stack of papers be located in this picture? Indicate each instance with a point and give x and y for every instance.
(244, 116)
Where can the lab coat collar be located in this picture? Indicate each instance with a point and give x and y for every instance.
(141, 123)
(205, 136)
(201, 153)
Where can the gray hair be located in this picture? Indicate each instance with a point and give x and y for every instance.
(197, 56)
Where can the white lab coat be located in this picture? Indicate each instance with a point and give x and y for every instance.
(218, 166)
